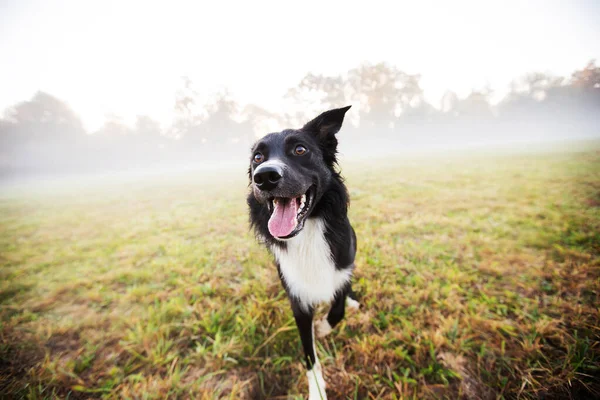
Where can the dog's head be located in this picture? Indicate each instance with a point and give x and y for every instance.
(290, 170)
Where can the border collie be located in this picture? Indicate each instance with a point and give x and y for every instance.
(298, 209)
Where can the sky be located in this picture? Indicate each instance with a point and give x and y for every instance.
(128, 57)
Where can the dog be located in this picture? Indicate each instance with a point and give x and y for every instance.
(298, 206)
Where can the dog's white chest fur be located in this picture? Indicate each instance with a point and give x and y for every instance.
(307, 266)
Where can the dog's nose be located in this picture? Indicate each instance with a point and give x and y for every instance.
(267, 177)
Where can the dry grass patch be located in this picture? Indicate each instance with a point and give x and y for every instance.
(479, 277)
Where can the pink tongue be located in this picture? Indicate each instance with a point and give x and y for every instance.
(283, 219)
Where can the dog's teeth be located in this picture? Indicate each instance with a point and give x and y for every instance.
(302, 202)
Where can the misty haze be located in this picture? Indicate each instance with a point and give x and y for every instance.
(470, 153)
(44, 135)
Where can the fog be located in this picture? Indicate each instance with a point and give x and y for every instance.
(44, 136)
(115, 88)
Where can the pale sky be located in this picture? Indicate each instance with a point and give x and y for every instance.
(128, 57)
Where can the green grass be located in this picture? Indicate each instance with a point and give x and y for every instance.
(479, 276)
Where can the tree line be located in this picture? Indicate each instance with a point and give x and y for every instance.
(44, 134)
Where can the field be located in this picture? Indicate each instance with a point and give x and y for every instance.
(479, 278)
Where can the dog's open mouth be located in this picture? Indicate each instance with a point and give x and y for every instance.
(288, 214)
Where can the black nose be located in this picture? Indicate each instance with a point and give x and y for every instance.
(267, 177)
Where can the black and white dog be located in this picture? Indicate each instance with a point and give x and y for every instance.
(298, 208)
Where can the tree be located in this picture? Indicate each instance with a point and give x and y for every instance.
(41, 133)
(8, 140)
(383, 92)
(449, 102)
(114, 128)
(314, 94)
(44, 118)
(588, 77)
(586, 82)
(147, 129)
(224, 124)
(187, 117)
(532, 98)
(476, 104)
(261, 121)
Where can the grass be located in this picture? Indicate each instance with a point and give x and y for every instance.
(479, 277)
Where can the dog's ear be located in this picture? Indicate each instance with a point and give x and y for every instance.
(324, 127)
(328, 123)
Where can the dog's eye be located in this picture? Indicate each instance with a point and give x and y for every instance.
(258, 158)
(300, 150)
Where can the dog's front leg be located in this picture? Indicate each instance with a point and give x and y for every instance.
(304, 321)
(344, 298)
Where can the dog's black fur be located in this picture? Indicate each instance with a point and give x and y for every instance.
(314, 173)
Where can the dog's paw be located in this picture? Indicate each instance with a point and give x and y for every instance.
(352, 304)
(322, 328)
(316, 384)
